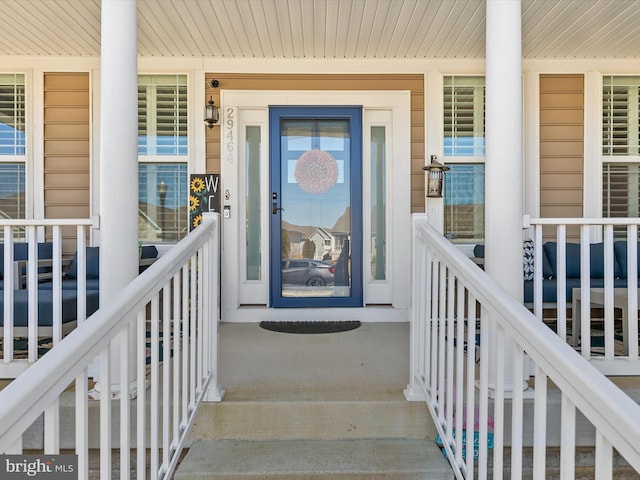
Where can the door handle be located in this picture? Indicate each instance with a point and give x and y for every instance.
(275, 208)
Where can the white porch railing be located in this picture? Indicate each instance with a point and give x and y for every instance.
(608, 271)
(466, 332)
(35, 234)
(174, 309)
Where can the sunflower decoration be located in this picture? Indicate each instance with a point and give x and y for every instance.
(316, 171)
(194, 202)
(197, 184)
(197, 220)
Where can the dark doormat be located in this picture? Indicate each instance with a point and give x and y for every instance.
(310, 327)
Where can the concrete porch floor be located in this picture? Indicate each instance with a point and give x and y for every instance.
(368, 363)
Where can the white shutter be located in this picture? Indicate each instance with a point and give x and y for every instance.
(162, 115)
(620, 115)
(12, 114)
(464, 124)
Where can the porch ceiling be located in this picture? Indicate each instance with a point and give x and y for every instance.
(350, 29)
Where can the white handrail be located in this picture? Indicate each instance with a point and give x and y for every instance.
(528, 221)
(46, 222)
(31, 393)
(448, 291)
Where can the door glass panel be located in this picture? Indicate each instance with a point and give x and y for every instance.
(378, 205)
(315, 202)
(253, 199)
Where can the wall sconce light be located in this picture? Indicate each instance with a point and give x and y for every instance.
(435, 177)
(211, 113)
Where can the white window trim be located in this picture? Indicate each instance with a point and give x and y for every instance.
(593, 183)
(34, 187)
(437, 205)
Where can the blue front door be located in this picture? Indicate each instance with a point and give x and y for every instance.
(316, 206)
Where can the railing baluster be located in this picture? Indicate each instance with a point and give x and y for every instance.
(540, 426)
(201, 329)
(449, 382)
(175, 358)
(166, 371)
(609, 331)
(125, 417)
(441, 348)
(483, 394)
(52, 428)
(632, 286)
(56, 294)
(567, 437)
(186, 345)
(153, 396)
(537, 273)
(81, 252)
(459, 365)
(496, 340)
(105, 414)
(193, 318)
(9, 267)
(561, 295)
(32, 288)
(82, 424)
(585, 293)
(431, 362)
(517, 415)
(141, 389)
(471, 379)
(603, 458)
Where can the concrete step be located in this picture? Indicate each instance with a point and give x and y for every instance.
(313, 420)
(386, 459)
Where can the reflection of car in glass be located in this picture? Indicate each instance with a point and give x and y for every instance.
(305, 271)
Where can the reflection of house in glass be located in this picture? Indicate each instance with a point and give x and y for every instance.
(12, 190)
(327, 244)
(160, 223)
(464, 202)
(322, 239)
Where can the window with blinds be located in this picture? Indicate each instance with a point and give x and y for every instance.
(162, 115)
(620, 115)
(12, 145)
(464, 147)
(12, 114)
(464, 203)
(621, 138)
(621, 192)
(162, 150)
(464, 122)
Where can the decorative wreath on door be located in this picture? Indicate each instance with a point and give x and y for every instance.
(316, 171)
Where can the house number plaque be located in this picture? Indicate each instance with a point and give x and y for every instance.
(229, 141)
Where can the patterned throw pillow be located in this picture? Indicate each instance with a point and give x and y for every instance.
(527, 259)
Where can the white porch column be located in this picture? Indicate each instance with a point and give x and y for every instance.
(504, 153)
(118, 159)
